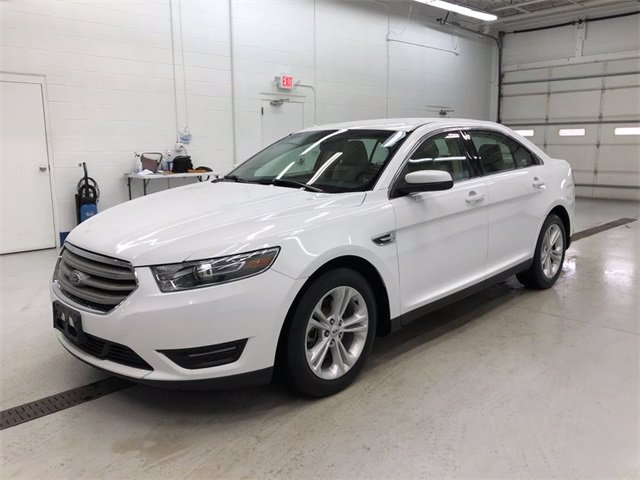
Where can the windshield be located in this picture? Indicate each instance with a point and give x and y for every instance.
(329, 160)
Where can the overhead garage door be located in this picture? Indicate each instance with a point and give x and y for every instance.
(588, 114)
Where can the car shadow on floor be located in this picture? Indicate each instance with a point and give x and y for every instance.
(429, 330)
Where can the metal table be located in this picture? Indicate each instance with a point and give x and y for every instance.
(164, 176)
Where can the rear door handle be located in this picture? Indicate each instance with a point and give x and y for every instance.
(537, 183)
(473, 197)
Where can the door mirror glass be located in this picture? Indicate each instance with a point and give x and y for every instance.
(424, 181)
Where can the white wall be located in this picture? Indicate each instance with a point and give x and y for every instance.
(582, 76)
(109, 71)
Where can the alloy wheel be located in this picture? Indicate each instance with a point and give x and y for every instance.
(552, 251)
(336, 333)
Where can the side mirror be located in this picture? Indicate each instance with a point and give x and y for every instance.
(424, 181)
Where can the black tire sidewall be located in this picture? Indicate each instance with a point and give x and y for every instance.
(299, 372)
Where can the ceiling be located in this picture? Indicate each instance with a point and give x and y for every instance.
(519, 14)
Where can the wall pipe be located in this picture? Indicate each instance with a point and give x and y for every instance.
(233, 88)
(575, 22)
(499, 43)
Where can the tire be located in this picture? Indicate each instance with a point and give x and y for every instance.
(322, 358)
(549, 255)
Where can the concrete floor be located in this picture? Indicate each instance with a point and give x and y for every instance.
(509, 383)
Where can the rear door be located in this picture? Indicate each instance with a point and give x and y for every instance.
(441, 236)
(515, 197)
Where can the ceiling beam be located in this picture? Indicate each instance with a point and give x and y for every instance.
(518, 5)
(558, 10)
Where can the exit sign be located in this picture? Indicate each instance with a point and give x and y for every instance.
(285, 82)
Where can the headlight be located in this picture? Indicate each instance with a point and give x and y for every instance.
(188, 275)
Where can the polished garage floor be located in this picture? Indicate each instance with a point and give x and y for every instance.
(509, 383)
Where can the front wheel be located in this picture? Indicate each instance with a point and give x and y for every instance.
(331, 333)
(548, 257)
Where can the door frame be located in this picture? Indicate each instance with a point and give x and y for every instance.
(41, 80)
(283, 99)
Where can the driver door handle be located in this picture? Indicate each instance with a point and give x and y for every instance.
(473, 197)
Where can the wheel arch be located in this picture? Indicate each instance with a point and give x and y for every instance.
(364, 268)
(562, 212)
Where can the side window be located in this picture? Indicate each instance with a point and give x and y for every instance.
(524, 158)
(494, 152)
(444, 151)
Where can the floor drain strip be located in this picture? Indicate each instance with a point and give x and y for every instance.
(601, 228)
(61, 401)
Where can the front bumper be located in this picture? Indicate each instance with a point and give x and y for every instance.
(150, 321)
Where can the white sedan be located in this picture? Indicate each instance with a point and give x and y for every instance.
(301, 255)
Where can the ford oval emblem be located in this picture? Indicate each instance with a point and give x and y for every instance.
(77, 278)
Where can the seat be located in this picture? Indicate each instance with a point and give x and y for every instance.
(491, 158)
(352, 162)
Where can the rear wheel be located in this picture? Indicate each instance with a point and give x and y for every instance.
(331, 333)
(548, 257)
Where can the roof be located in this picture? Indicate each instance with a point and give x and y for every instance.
(403, 124)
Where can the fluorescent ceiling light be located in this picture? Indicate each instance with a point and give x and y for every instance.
(627, 131)
(452, 7)
(572, 132)
(525, 133)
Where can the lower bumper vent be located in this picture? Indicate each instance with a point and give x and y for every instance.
(206, 357)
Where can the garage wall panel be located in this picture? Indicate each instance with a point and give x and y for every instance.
(109, 69)
(110, 89)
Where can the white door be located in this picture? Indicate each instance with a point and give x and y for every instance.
(279, 119)
(441, 236)
(26, 211)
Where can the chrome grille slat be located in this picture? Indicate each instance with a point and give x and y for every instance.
(103, 284)
(101, 270)
(94, 281)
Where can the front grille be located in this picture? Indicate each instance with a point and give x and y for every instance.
(113, 351)
(206, 357)
(95, 281)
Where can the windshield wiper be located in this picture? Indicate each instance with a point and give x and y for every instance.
(235, 178)
(283, 182)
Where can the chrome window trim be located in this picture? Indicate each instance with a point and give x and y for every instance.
(417, 144)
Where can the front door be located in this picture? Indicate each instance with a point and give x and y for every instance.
(279, 119)
(441, 236)
(26, 209)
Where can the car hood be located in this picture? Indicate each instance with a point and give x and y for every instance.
(203, 221)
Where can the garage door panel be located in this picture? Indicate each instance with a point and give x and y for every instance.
(619, 158)
(590, 136)
(576, 105)
(591, 109)
(613, 178)
(622, 103)
(524, 88)
(623, 81)
(526, 75)
(578, 84)
(577, 70)
(582, 159)
(530, 107)
(625, 65)
(608, 136)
